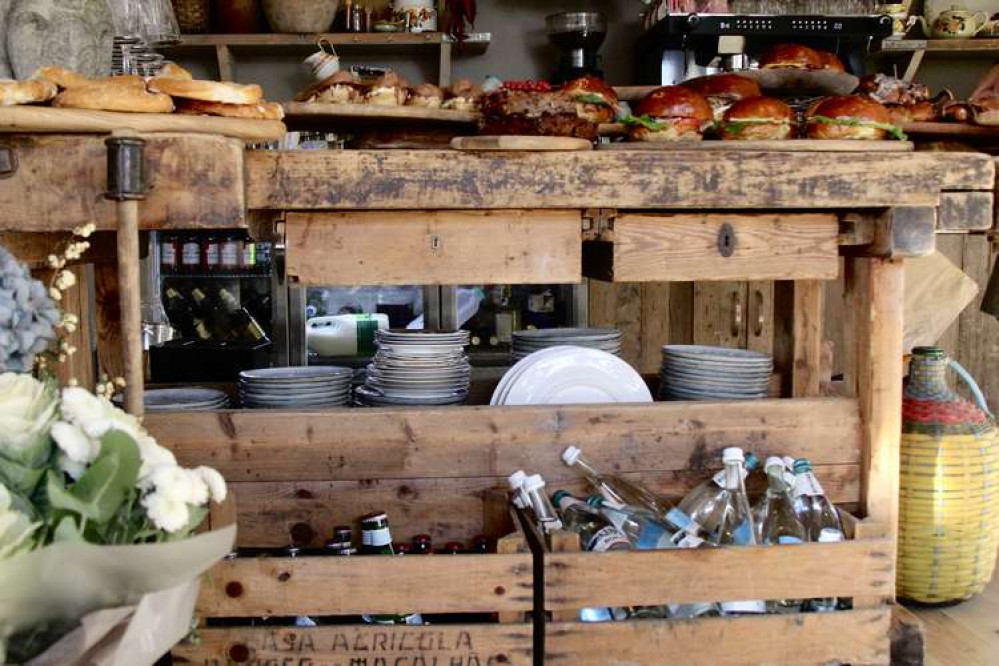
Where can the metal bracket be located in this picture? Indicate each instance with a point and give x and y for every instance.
(726, 240)
(8, 162)
(126, 168)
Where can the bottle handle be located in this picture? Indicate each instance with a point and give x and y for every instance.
(976, 392)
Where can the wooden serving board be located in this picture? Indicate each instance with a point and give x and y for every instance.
(790, 145)
(513, 142)
(28, 119)
(959, 130)
(312, 113)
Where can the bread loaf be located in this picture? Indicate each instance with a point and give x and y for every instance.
(172, 70)
(261, 111)
(114, 98)
(13, 93)
(208, 91)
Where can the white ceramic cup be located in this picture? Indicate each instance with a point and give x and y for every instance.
(322, 64)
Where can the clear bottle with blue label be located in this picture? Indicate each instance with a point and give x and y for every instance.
(813, 508)
(781, 525)
(698, 502)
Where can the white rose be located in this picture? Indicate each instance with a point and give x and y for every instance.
(27, 409)
(15, 527)
(74, 442)
(167, 513)
(215, 482)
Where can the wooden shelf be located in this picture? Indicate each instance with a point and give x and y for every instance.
(940, 45)
(476, 44)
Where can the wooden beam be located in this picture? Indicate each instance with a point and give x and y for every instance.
(874, 296)
(510, 645)
(428, 179)
(710, 247)
(908, 640)
(901, 231)
(195, 181)
(814, 639)
(434, 247)
(651, 577)
(806, 379)
(284, 586)
(491, 441)
(965, 211)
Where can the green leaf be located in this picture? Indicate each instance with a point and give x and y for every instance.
(894, 130)
(197, 515)
(644, 121)
(19, 477)
(591, 98)
(105, 485)
(67, 530)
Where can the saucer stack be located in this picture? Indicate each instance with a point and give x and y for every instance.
(307, 387)
(417, 368)
(184, 400)
(603, 339)
(695, 372)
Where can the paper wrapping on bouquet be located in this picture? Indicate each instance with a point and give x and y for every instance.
(137, 600)
(948, 487)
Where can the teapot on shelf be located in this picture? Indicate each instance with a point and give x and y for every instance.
(955, 23)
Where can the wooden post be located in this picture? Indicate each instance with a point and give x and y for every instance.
(227, 67)
(444, 71)
(799, 308)
(131, 311)
(874, 289)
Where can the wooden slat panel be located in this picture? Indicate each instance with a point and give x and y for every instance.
(276, 513)
(194, 181)
(650, 248)
(965, 211)
(978, 339)
(281, 586)
(720, 314)
(815, 639)
(807, 335)
(435, 247)
(492, 441)
(655, 323)
(404, 179)
(363, 645)
(806, 571)
(619, 305)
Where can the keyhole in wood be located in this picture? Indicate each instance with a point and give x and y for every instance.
(726, 240)
(436, 243)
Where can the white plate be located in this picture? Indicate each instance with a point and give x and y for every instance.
(577, 375)
(180, 397)
(295, 374)
(704, 352)
(499, 393)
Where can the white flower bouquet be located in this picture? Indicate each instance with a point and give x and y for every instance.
(98, 564)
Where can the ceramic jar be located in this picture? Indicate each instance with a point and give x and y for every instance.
(419, 15)
(75, 34)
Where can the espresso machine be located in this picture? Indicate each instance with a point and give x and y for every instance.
(578, 35)
(678, 47)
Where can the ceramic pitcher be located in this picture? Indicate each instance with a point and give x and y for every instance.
(955, 24)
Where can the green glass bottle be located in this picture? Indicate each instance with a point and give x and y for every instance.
(376, 539)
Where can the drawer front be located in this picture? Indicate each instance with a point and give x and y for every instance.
(435, 247)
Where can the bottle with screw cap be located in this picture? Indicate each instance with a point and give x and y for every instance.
(827, 535)
(709, 492)
(813, 508)
(376, 539)
(780, 524)
(534, 489)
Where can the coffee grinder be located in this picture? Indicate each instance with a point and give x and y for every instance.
(578, 35)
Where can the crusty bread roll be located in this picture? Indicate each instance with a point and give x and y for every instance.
(172, 70)
(13, 93)
(208, 91)
(67, 79)
(114, 98)
(261, 111)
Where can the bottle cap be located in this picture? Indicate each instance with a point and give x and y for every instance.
(571, 455)
(733, 454)
(421, 538)
(752, 462)
(533, 482)
(595, 500)
(802, 465)
(516, 480)
(559, 495)
(373, 517)
(774, 461)
(830, 535)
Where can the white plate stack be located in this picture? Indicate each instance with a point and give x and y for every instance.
(570, 376)
(185, 400)
(695, 372)
(309, 387)
(529, 341)
(415, 367)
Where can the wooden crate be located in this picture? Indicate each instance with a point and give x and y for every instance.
(861, 568)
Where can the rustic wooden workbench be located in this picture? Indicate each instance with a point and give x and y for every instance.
(380, 217)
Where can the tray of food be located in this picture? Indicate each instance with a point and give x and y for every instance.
(58, 100)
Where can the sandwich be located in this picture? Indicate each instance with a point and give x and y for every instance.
(462, 96)
(340, 88)
(521, 112)
(791, 56)
(830, 62)
(758, 118)
(670, 113)
(851, 117)
(595, 100)
(723, 90)
(426, 95)
(388, 90)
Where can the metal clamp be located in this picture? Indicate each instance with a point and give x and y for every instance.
(8, 162)
(126, 168)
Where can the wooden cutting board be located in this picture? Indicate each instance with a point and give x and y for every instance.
(958, 130)
(514, 142)
(788, 146)
(341, 114)
(29, 119)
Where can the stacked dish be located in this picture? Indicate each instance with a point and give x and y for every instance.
(528, 342)
(414, 367)
(569, 375)
(289, 388)
(185, 400)
(694, 372)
